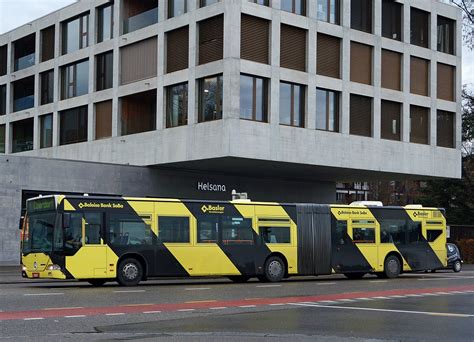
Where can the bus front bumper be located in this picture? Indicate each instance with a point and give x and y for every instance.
(45, 274)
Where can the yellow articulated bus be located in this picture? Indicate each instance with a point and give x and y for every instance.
(100, 239)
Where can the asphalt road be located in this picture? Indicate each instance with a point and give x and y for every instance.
(423, 306)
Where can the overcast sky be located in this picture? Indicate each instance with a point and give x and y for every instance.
(14, 13)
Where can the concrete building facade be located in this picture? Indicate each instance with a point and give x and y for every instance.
(266, 96)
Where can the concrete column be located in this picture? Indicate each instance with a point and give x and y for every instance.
(57, 84)
(192, 114)
(9, 95)
(274, 91)
(116, 67)
(458, 50)
(231, 77)
(433, 81)
(92, 71)
(162, 10)
(161, 93)
(311, 90)
(36, 132)
(377, 69)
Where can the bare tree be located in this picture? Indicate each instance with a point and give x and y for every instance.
(467, 7)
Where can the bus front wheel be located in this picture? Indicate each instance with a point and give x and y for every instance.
(392, 267)
(130, 272)
(274, 269)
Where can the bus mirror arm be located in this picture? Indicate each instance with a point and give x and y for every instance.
(20, 223)
(66, 220)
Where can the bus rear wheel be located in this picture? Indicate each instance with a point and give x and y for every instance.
(129, 272)
(392, 267)
(239, 279)
(97, 282)
(274, 269)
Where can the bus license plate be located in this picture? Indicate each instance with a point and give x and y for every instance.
(36, 275)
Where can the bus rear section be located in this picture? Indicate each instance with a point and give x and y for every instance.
(356, 240)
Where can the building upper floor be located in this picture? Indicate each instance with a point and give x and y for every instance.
(121, 70)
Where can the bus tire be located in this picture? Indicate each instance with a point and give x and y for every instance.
(457, 266)
(274, 269)
(392, 267)
(129, 272)
(239, 279)
(354, 275)
(97, 282)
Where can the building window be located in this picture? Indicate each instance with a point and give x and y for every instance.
(328, 11)
(176, 7)
(204, 3)
(361, 63)
(446, 85)
(390, 120)
(391, 70)
(211, 39)
(138, 61)
(104, 70)
(445, 128)
(75, 80)
(47, 87)
(446, 34)
(253, 98)
(361, 15)
(105, 23)
(292, 104)
(2, 138)
(210, 98)
(294, 6)
(420, 27)
(293, 48)
(361, 115)
(75, 34)
(392, 19)
(3, 99)
(24, 49)
(139, 14)
(22, 139)
(327, 110)
(177, 105)
(419, 124)
(103, 120)
(261, 2)
(73, 125)
(47, 43)
(46, 131)
(328, 56)
(419, 76)
(138, 113)
(3, 60)
(24, 94)
(177, 49)
(255, 39)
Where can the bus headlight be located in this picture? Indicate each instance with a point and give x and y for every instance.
(54, 267)
(23, 268)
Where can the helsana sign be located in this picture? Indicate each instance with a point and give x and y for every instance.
(207, 186)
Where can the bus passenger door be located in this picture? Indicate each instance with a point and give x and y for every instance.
(94, 247)
(364, 237)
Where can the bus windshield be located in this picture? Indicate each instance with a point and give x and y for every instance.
(39, 232)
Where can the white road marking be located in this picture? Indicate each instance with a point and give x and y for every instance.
(129, 291)
(413, 295)
(272, 285)
(446, 278)
(44, 294)
(325, 283)
(381, 297)
(443, 293)
(247, 306)
(387, 310)
(115, 314)
(363, 298)
(33, 318)
(197, 288)
(378, 281)
(151, 312)
(397, 296)
(75, 316)
(185, 310)
(346, 300)
(219, 307)
(327, 301)
(277, 304)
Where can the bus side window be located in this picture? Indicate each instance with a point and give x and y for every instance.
(275, 234)
(340, 233)
(414, 232)
(207, 228)
(73, 233)
(93, 227)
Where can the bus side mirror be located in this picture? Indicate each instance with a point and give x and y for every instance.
(20, 223)
(66, 220)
